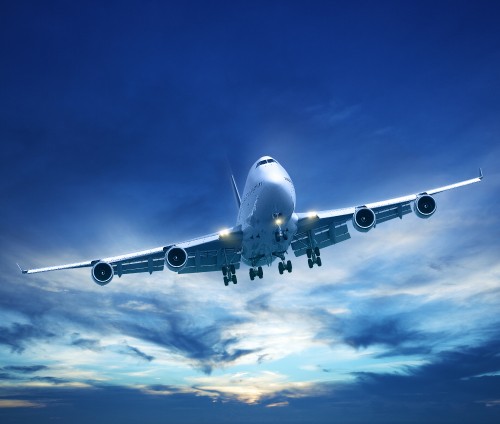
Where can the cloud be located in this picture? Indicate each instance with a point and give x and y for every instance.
(206, 345)
(250, 388)
(17, 335)
(25, 369)
(19, 403)
(90, 344)
(133, 351)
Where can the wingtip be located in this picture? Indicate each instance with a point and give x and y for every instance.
(22, 270)
(480, 174)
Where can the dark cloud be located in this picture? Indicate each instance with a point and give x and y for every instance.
(90, 344)
(364, 331)
(204, 344)
(49, 379)
(17, 335)
(391, 330)
(130, 350)
(25, 369)
(259, 303)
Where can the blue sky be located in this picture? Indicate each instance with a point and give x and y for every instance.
(117, 126)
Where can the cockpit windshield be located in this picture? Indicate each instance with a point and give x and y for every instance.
(263, 161)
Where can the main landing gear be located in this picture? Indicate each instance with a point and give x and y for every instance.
(313, 257)
(229, 273)
(256, 272)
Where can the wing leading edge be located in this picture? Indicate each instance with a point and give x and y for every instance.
(324, 228)
(207, 253)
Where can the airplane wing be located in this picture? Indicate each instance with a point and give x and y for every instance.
(207, 253)
(324, 228)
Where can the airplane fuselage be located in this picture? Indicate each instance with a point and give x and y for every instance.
(267, 213)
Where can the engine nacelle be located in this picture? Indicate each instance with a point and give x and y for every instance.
(363, 219)
(102, 273)
(424, 206)
(176, 258)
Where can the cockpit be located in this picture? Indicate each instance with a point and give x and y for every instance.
(264, 161)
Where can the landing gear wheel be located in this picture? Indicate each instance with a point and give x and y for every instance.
(318, 261)
(289, 266)
(285, 237)
(252, 274)
(260, 273)
(224, 271)
(277, 236)
(234, 279)
(281, 267)
(310, 263)
(309, 253)
(226, 281)
(316, 251)
(233, 270)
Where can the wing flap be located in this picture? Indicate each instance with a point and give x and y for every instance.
(391, 212)
(320, 236)
(150, 265)
(211, 260)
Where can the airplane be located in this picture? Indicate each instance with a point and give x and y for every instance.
(267, 227)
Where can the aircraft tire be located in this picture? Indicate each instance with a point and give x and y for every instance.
(310, 263)
(260, 273)
(318, 261)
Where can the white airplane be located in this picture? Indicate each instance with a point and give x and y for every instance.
(266, 228)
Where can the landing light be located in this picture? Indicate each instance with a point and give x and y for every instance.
(224, 233)
(311, 214)
(279, 221)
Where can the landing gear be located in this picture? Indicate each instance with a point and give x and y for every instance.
(229, 273)
(282, 266)
(278, 235)
(256, 272)
(313, 257)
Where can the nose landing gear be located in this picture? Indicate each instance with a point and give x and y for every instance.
(256, 272)
(279, 233)
(282, 266)
(313, 257)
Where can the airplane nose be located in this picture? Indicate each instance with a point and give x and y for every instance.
(278, 197)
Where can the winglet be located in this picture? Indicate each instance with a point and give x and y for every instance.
(22, 270)
(480, 174)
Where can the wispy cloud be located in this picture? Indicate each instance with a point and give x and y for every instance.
(19, 403)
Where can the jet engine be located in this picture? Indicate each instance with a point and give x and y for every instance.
(363, 219)
(176, 258)
(102, 273)
(424, 206)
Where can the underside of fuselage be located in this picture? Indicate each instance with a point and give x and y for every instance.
(266, 213)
